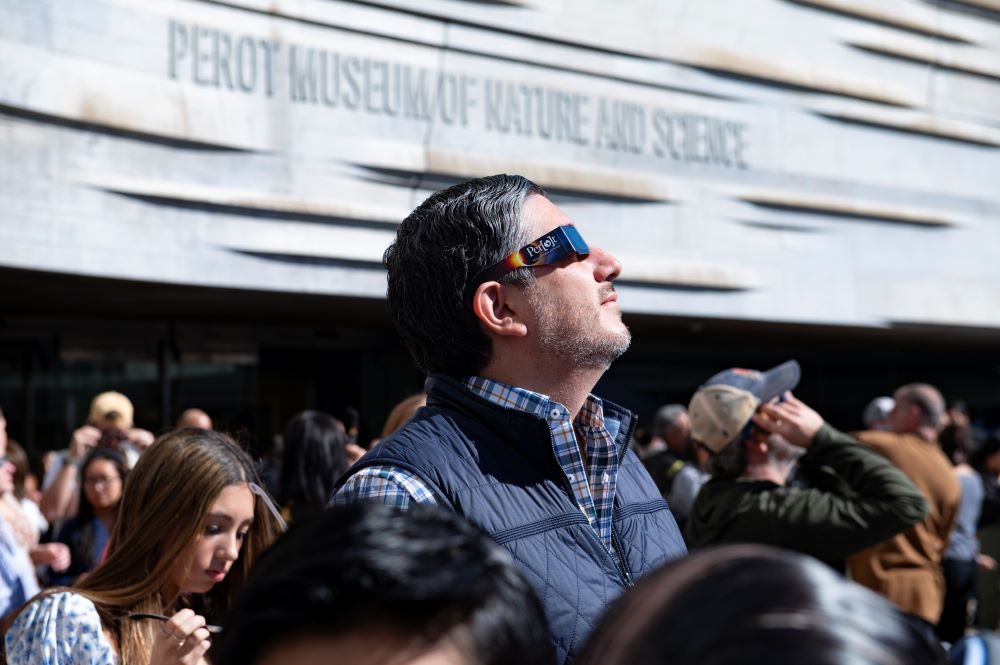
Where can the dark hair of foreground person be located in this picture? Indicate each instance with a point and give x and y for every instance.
(744, 604)
(371, 584)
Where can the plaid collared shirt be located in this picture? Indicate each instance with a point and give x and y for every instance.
(593, 480)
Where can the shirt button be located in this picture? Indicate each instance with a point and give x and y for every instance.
(555, 413)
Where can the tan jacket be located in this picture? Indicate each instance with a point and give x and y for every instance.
(907, 568)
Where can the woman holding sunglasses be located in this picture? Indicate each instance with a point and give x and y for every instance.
(191, 522)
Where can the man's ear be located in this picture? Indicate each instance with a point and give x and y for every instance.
(499, 310)
(757, 447)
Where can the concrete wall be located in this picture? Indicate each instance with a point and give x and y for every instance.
(810, 161)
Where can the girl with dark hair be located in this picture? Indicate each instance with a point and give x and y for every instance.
(962, 559)
(192, 520)
(313, 459)
(755, 604)
(103, 472)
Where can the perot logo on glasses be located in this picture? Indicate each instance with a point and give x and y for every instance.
(542, 247)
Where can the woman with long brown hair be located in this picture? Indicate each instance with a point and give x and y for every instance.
(191, 522)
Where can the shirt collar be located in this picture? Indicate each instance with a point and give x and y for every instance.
(538, 404)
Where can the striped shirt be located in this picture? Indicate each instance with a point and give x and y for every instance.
(593, 479)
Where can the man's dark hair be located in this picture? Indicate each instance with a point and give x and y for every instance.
(753, 604)
(423, 574)
(440, 248)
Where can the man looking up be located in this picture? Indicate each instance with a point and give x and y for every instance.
(907, 569)
(515, 318)
(856, 499)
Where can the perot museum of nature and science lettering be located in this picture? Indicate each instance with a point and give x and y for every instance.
(195, 196)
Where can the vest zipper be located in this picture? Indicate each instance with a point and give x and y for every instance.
(622, 568)
(618, 559)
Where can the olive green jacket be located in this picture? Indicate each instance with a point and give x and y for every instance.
(857, 498)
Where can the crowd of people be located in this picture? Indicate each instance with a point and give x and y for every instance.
(508, 514)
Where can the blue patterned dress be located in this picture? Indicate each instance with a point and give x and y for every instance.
(59, 629)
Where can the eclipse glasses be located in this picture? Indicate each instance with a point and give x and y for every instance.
(551, 248)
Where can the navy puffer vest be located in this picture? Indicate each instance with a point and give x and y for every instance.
(495, 466)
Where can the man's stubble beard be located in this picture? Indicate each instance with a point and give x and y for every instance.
(782, 454)
(572, 333)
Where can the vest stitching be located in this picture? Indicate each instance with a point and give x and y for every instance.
(535, 528)
(633, 509)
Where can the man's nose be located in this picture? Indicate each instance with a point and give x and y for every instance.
(606, 265)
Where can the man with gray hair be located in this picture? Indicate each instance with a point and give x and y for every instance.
(756, 431)
(876, 414)
(675, 465)
(907, 568)
(515, 318)
(672, 426)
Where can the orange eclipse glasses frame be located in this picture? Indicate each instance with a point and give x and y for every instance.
(551, 248)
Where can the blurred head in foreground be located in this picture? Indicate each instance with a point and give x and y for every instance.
(377, 585)
(754, 604)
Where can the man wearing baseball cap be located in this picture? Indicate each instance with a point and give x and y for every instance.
(755, 431)
(110, 423)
